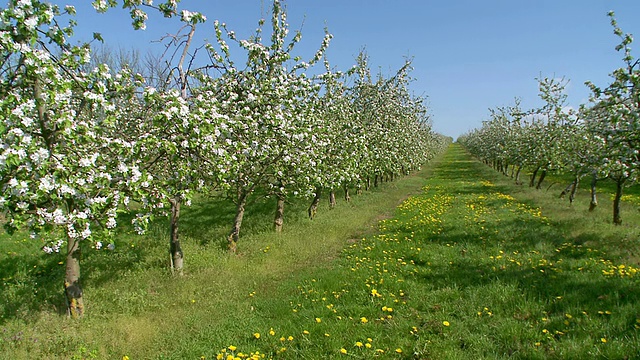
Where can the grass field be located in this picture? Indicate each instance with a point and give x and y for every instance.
(467, 266)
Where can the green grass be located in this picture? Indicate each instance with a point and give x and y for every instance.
(469, 266)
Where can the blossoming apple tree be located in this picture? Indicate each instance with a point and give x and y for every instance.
(64, 173)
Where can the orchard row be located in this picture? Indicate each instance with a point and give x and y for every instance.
(600, 140)
(81, 140)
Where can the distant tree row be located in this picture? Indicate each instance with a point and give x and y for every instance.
(600, 140)
(81, 139)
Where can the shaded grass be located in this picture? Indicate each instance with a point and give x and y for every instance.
(469, 267)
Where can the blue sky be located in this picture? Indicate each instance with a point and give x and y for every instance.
(468, 55)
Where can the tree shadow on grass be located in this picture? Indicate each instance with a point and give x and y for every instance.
(31, 283)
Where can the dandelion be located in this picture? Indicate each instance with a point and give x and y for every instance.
(318, 320)
(290, 338)
(359, 344)
(305, 332)
(364, 320)
(256, 335)
(604, 340)
(343, 351)
(232, 348)
(272, 332)
(445, 323)
(399, 351)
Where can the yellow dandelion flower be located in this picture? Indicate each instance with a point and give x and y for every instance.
(343, 351)
(399, 351)
(318, 320)
(290, 338)
(232, 348)
(256, 335)
(359, 344)
(125, 357)
(445, 323)
(272, 332)
(364, 320)
(305, 332)
(604, 340)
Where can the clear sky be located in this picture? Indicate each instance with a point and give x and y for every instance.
(468, 55)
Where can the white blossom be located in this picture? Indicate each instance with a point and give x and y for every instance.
(31, 23)
(111, 223)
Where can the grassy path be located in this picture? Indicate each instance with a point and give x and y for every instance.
(468, 268)
(463, 271)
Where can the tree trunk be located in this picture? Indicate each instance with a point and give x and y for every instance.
(518, 182)
(533, 177)
(332, 199)
(368, 184)
(313, 208)
(543, 174)
(347, 196)
(72, 288)
(567, 189)
(594, 199)
(278, 221)
(617, 220)
(175, 250)
(574, 189)
(375, 181)
(234, 235)
(513, 169)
